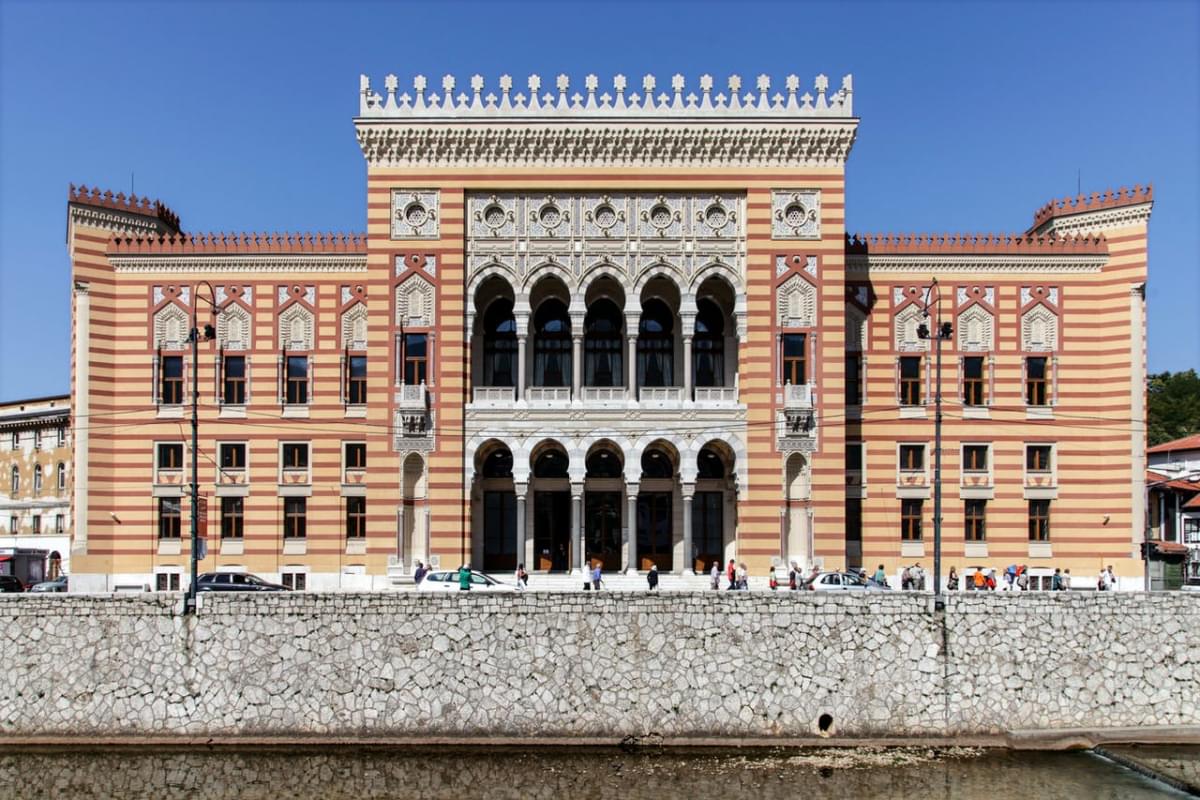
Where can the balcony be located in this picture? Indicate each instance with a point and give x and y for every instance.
(797, 397)
(493, 396)
(548, 395)
(604, 395)
(798, 429)
(661, 395)
(716, 395)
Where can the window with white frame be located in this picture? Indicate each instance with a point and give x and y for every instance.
(976, 457)
(1191, 530)
(294, 579)
(166, 581)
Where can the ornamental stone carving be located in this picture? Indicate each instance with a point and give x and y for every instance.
(171, 326)
(796, 303)
(976, 330)
(296, 328)
(796, 214)
(354, 327)
(414, 303)
(234, 328)
(856, 330)
(906, 323)
(1039, 330)
(415, 214)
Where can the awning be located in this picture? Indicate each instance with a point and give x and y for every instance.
(5, 558)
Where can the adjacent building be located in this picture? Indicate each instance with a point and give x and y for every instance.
(36, 478)
(622, 324)
(1173, 489)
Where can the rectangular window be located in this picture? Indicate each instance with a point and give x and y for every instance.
(854, 456)
(854, 380)
(62, 435)
(232, 517)
(59, 523)
(295, 455)
(170, 456)
(171, 377)
(912, 456)
(1037, 457)
(169, 518)
(37, 523)
(795, 365)
(356, 455)
(414, 359)
(974, 393)
(976, 519)
(356, 380)
(296, 393)
(356, 517)
(1039, 520)
(910, 380)
(37, 440)
(1191, 530)
(975, 457)
(1036, 382)
(166, 582)
(910, 520)
(233, 381)
(295, 517)
(233, 455)
(14, 526)
(15, 440)
(62, 476)
(295, 581)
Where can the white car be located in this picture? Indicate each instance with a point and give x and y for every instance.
(447, 581)
(843, 582)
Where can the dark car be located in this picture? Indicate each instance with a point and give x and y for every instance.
(235, 582)
(11, 583)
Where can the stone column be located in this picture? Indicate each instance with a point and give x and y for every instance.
(400, 554)
(688, 567)
(631, 369)
(576, 366)
(631, 496)
(577, 525)
(521, 367)
(521, 491)
(687, 367)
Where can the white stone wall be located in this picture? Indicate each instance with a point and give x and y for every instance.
(595, 665)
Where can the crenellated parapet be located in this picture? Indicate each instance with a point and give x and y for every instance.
(120, 214)
(972, 244)
(1094, 213)
(240, 244)
(670, 125)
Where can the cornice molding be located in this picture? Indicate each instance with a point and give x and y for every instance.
(296, 262)
(663, 143)
(919, 262)
(1097, 221)
(123, 223)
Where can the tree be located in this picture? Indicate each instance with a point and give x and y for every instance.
(1174, 406)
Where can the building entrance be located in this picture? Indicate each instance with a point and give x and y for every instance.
(499, 531)
(552, 531)
(654, 530)
(603, 528)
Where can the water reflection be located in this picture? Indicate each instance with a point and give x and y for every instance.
(362, 773)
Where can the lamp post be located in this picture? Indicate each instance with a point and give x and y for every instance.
(209, 333)
(944, 330)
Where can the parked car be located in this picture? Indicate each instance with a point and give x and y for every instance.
(235, 582)
(59, 584)
(447, 581)
(843, 582)
(11, 583)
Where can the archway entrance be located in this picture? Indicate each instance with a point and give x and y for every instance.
(602, 507)
(552, 546)
(499, 512)
(654, 530)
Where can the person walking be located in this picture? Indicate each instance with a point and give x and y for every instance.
(880, 576)
(1023, 578)
(464, 578)
(652, 577)
(1066, 579)
(522, 577)
(715, 576)
(596, 576)
(731, 575)
(793, 576)
(743, 577)
(952, 581)
(771, 581)
(419, 574)
(1112, 579)
(1056, 582)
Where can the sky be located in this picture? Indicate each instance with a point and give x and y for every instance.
(239, 116)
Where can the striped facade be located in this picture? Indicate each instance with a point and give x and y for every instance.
(440, 389)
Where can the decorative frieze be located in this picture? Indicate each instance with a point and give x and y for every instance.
(796, 215)
(415, 214)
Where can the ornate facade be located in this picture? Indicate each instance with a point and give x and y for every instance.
(611, 325)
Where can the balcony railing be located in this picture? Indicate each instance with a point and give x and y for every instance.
(797, 396)
(661, 394)
(411, 396)
(603, 394)
(716, 394)
(493, 395)
(548, 395)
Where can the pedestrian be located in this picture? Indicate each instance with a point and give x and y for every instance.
(652, 577)
(464, 578)
(1066, 579)
(1010, 576)
(731, 575)
(812, 576)
(793, 574)
(905, 579)
(596, 575)
(918, 577)
(419, 574)
(952, 581)
(1112, 579)
(522, 577)
(771, 582)
(880, 576)
(1023, 578)
(979, 580)
(715, 576)
(1056, 582)
(743, 577)
(991, 579)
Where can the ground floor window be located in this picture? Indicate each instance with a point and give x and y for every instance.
(232, 517)
(602, 515)
(356, 517)
(854, 527)
(296, 581)
(708, 530)
(166, 581)
(654, 529)
(976, 515)
(295, 517)
(552, 530)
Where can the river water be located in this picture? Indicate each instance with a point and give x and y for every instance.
(500, 774)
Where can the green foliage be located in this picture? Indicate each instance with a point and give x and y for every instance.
(1174, 406)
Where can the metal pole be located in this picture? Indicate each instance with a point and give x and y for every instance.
(937, 470)
(1146, 536)
(190, 605)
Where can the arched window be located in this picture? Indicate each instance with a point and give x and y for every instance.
(603, 463)
(710, 465)
(656, 345)
(498, 464)
(657, 464)
(551, 464)
(37, 479)
(709, 344)
(499, 345)
(62, 476)
(602, 345)
(16, 480)
(551, 345)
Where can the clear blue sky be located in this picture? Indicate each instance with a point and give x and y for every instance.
(239, 115)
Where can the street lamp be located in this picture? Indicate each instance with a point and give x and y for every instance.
(943, 331)
(209, 333)
(1193, 477)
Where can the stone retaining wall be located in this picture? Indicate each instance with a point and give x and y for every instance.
(595, 664)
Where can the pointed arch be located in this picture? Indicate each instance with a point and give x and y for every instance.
(415, 307)
(354, 327)
(905, 325)
(796, 303)
(856, 329)
(296, 328)
(171, 326)
(976, 330)
(235, 329)
(1039, 330)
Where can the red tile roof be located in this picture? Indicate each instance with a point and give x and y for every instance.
(1186, 443)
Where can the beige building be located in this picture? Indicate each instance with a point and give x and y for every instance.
(36, 481)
